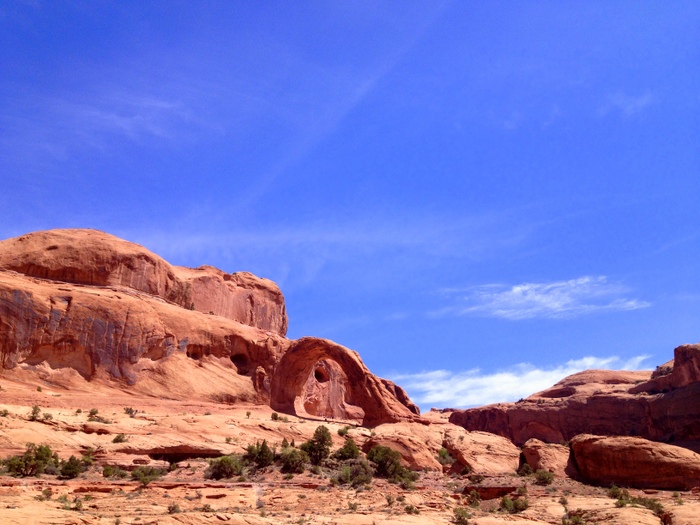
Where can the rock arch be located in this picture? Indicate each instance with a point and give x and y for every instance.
(377, 403)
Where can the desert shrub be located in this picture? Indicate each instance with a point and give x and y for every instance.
(259, 454)
(34, 415)
(173, 508)
(355, 472)
(319, 447)
(109, 471)
(342, 432)
(119, 438)
(474, 498)
(36, 460)
(525, 470)
(544, 477)
(513, 506)
(388, 465)
(461, 516)
(444, 457)
(130, 411)
(4, 413)
(348, 451)
(293, 460)
(411, 509)
(224, 467)
(72, 468)
(144, 475)
(615, 492)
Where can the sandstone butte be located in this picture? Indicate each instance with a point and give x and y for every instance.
(88, 321)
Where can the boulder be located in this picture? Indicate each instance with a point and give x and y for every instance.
(546, 456)
(633, 462)
(481, 452)
(418, 444)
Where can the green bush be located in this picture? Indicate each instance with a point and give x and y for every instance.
(119, 438)
(259, 454)
(144, 475)
(544, 477)
(355, 472)
(319, 447)
(388, 465)
(224, 467)
(342, 432)
(293, 460)
(513, 506)
(35, 460)
(461, 516)
(108, 471)
(525, 470)
(444, 457)
(348, 451)
(72, 468)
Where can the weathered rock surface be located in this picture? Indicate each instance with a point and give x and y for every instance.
(604, 402)
(546, 456)
(481, 452)
(95, 258)
(634, 462)
(106, 308)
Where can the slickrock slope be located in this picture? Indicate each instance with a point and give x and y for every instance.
(661, 406)
(86, 301)
(634, 462)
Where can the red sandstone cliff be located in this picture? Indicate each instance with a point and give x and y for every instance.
(87, 301)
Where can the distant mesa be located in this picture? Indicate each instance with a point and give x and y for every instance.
(83, 302)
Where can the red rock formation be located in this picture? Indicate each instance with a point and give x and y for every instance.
(87, 301)
(603, 402)
(365, 396)
(546, 456)
(634, 462)
(91, 257)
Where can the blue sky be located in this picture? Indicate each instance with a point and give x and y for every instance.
(479, 197)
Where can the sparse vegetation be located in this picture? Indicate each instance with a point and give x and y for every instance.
(388, 465)
(355, 472)
(110, 471)
(544, 477)
(259, 454)
(293, 460)
(525, 470)
(145, 475)
(119, 438)
(348, 451)
(34, 414)
(225, 467)
(513, 506)
(444, 457)
(342, 432)
(36, 460)
(72, 468)
(461, 516)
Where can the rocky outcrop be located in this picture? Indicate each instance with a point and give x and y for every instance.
(87, 301)
(358, 394)
(95, 258)
(545, 456)
(633, 462)
(482, 453)
(603, 402)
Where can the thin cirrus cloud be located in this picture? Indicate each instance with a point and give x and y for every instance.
(443, 388)
(559, 299)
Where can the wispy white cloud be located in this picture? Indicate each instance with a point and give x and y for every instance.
(443, 388)
(559, 299)
(628, 105)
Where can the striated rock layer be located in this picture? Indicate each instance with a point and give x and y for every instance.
(90, 302)
(660, 407)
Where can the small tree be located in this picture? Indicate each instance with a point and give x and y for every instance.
(319, 447)
(260, 454)
(293, 460)
(71, 468)
(348, 451)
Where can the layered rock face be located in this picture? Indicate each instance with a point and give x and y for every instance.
(633, 462)
(104, 307)
(91, 257)
(603, 402)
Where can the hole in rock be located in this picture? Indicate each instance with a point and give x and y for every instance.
(194, 353)
(321, 375)
(241, 362)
